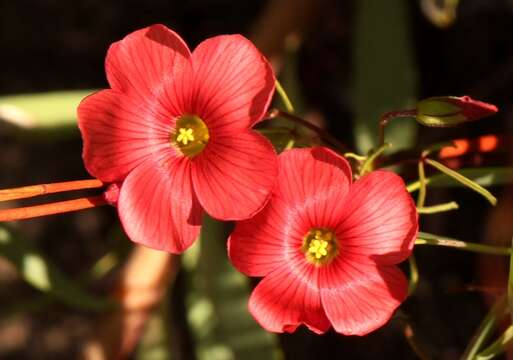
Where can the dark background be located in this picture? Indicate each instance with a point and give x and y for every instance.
(53, 45)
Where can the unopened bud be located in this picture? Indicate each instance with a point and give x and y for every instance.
(446, 111)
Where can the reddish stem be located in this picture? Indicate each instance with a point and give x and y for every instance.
(52, 208)
(386, 117)
(43, 189)
(323, 134)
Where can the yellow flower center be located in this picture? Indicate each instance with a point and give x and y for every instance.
(190, 135)
(319, 246)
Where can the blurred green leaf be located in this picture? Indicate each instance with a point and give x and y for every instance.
(45, 276)
(498, 347)
(385, 73)
(154, 343)
(463, 180)
(42, 111)
(218, 298)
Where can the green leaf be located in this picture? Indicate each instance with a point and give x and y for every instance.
(45, 276)
(498, 347)
(463, 180)
(42, 111)
(217, 301)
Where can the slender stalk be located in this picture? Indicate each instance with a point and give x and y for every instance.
(421, 199)
(414, 275)
(44, 189)
(430, 239)
(323, 134)
(486, 328)
(453, 205)
(463, 180)
(284, 97)
(51, 209)
(368, 164)
(387, 117)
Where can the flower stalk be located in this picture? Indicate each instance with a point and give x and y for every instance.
(323, 134)
(59, 207)
(25, 192)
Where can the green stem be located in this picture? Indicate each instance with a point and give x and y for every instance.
(421, 199)
(431, 239)
(498, 346)
(414, 275)
(284, 97)
(486, 328)
(453, 205)
(463, 180)
(368, 165)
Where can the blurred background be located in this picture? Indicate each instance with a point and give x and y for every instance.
(343, 63)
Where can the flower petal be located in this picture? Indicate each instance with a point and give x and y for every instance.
(284, 300)
(157, 206)
(234, 175)
(359, 298)
(259, 245)
(146, 60)
(315, 181)
(381, 222)
(310, 192)
(234, 83)
(119, 133)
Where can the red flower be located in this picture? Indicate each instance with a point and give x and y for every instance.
(175, 131)
(326, 247)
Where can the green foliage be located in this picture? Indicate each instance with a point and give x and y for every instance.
(385, 74)
(45, 276)
(48, 112)
(218, 299)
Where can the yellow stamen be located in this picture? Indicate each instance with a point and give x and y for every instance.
(190, 135)
(319, 246)
(185, 135)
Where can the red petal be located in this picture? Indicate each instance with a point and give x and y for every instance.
(119, 133)
(359, 298)
(234, 83)
(473, 109)
(146, 60)
(157, 206)
(381, 222)
(234, 175)
(310, 192)
(315, 181)
(283, 300)
(265, 242)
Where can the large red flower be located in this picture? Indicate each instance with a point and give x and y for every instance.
(175, 131)
(326, 247)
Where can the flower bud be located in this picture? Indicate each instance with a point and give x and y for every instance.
(445, 111)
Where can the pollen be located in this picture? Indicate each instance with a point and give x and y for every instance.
(319, 246)
(185, 135)
(190, 135)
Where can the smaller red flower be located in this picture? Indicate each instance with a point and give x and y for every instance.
(174, 134)
(326, 247)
